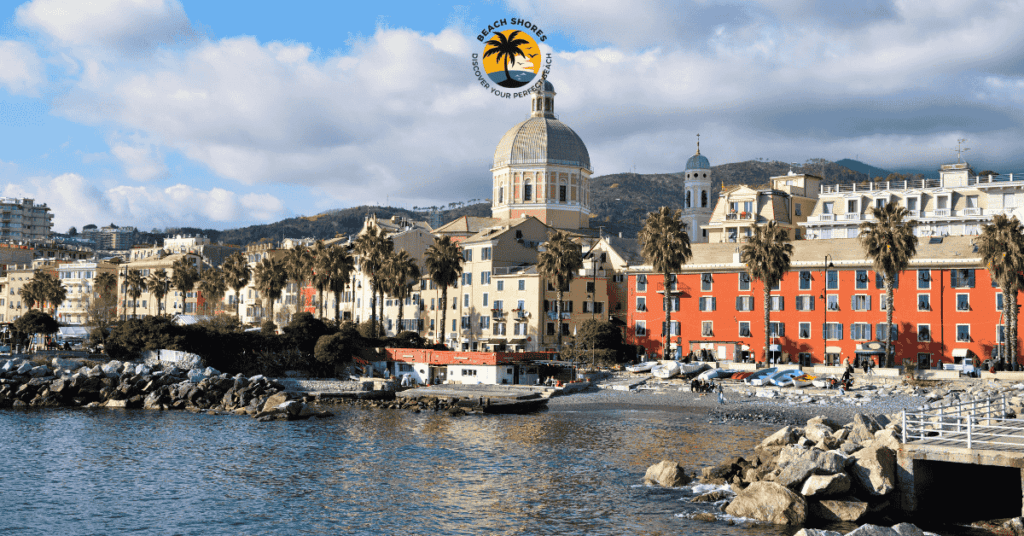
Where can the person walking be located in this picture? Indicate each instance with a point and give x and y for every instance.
(721, 394)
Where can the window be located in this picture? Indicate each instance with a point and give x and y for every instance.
(465, 322)
(590, 286)
(498, 328)
(617, 278)
(485, 322)
(833, 302)
(833, 331)
(880, 330)
(924, 333)
(805, 280)
(551, 328)
(999, 301)
(641, 283)
(1000, 333)
(805, 303)
(705, 282)
(485, 277)
(880, 282)
(862, 280)
(673, 325)
(641, 303)
(707, 304)
(598, 307)
(832, 279)
(777, 303)
(562, 193)
(776, 329)
(744, 303)
(963, 302)
(961, 278)
(467, 278)
(924, 279)
(522, 284)
(707, 329)
(796, 209)
(520, 328)
(924, 302)
(827, 207)
(501, 285)
(744, 281)
(777, 285)
(882, 302)
(527, 191)
(485, 301)
(805, 330)
(860, 331)
(673, 304)
(485, 254)
(565, 329)
(963, 333)
(467, 255)
(745, 329)
(861, 302)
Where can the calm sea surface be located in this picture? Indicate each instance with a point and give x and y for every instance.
(361, 472)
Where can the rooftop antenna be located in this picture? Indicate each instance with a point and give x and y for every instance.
(960, 149)
(698, 143)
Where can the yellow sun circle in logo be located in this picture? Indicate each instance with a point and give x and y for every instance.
(511, 58)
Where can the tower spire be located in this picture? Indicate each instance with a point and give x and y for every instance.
(698, 143)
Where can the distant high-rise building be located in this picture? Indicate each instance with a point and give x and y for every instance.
(110, 237)
(23, 219)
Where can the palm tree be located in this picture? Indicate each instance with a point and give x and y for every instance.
(506, 49)
(399, 268)
(297, 266)
(136, 286)
(184, 277)
(270, 278)
(443, 260)
(338, 268)
(889, 241)
(213, 287)
(1001, 246)
(236, 276)
(373, 247)
(159, 286)
(106, 282)
(666, 247)
(321, 277)
(558, 264)
(767, 256)
(31, 293)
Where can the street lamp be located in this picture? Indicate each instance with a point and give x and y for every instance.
(828, 264)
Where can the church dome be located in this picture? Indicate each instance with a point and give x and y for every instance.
(541, 140)
(698, 161)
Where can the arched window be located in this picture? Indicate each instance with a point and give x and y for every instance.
(687, 199)
(501, 194)
(703, 198)
(527, 191)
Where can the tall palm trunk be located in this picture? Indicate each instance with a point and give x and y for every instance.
(337, 305)
(558, 324)
(401, 313)
(888, 322)
(665, 305)
(767, 316)
(238, 307)
(444, 311)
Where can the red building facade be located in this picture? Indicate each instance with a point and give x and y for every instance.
(945, 304)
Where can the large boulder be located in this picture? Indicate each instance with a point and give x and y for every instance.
(667, 474)
(888, 437)
(781, 438)
(826, 485)
(793, 475)
(874, 468)
(68, 364)
(848, 509)
(39, 372)
(908, 529)
(816, 432)
(275, 400)
(873, 530)
(825, 461)
(769, 502)
(817, 532)
(112, 368)
(24, 368)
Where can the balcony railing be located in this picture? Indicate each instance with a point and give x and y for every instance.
(826, 217)
(941, 213)
(739, 216)
(972, 211)
(994, 180)
(854, 216)
(881, 186)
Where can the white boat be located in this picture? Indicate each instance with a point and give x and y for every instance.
(822, 382)
(803, 380)
(645, 366)
(716, 373)
(691, 368)
(666, 370)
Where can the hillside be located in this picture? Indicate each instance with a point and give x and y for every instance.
(861, 167)
(620, 201)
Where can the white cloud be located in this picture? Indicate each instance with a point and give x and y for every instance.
(21, 71)
(76, 201)
(142, 160)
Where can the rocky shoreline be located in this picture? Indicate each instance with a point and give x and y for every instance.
(116, 384)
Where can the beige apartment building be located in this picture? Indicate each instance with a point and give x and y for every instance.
(175, 302)
(789, 200)
(79, 278)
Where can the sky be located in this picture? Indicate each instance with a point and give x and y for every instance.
(168, 113)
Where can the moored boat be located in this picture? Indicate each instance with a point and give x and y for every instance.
(667, 370)
(803, 380)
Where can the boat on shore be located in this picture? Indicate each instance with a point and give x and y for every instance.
(645, 366)
(667, 370)
(803, 380)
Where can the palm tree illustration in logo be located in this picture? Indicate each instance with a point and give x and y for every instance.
(506, 49)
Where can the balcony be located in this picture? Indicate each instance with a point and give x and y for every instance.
(881, 186)
(826, 217)
(851, 217)
(996, 180)
(972, 211)
(941, 213)
(739, 216)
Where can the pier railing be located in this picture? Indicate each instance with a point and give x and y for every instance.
(980, 423)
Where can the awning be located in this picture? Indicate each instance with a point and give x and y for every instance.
(833, 350)
(960, 352)
(74, 332)
(519, 342)
(873, 347)
(496, 341)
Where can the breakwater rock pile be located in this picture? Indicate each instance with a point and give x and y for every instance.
(116, 384)
(448, 405)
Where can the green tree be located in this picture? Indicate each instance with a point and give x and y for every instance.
(213, 287)
(1001, 246)
(136, 286)
(35, 322)
(505, 50)
(184, 276)
(270, 279)
(889, 241)
(401, 272)
(666, 247)
(767, 255)
(321, 277)
(373, 246)
(558, 264)
(298, 265)
(338, 266)
(159, 286)
(236, 275)
(334, 350)
(443, 260)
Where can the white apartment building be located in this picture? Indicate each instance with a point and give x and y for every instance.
(23, 219)
(79, 280)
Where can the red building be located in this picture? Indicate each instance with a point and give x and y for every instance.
(944, 305)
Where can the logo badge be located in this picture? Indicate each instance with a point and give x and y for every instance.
(511, 58)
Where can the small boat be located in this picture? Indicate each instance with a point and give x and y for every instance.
(742, 375)
(514, 406)
(690, 368)
(803, 380)
(666, 370)
(719, 374)
(823, 382)
(645, 366)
